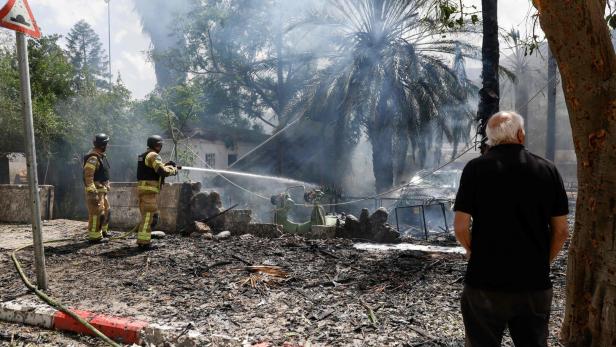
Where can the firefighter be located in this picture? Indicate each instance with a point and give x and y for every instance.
(96, 181)
(151, 173)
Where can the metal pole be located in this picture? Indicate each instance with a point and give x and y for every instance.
(423, 216)
(445, 217)
(26, 110)
(397, 223)
(109, 39)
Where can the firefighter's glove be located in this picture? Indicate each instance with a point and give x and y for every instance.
(170, 163)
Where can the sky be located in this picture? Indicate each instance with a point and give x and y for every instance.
(129, 44)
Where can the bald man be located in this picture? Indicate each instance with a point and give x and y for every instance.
(518, 208)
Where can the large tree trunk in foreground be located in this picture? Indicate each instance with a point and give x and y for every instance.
(550, 145)
(489, 93)
(580, 41)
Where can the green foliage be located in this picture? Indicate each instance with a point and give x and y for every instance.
(454, 14)
(247, 61)
(172, 108)
(11, 128)
(50, 78)
(99, 111)
(65, 119)
(389, 76)
(87, 56)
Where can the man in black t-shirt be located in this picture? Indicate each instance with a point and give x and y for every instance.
(518, 207)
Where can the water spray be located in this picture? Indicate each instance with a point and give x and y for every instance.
(246, 174)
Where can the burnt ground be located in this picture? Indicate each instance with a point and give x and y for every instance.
(333, 295)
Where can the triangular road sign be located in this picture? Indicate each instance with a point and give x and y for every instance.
(16, 15)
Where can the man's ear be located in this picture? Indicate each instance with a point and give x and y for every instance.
(521, 135)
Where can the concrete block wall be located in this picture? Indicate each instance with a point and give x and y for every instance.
(11, 164)
(15, 203)
(172, 202)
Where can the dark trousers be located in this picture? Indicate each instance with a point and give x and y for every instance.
(486, 313)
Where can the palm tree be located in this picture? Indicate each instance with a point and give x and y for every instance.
(389, 74)
(520, 66)
(489, 95)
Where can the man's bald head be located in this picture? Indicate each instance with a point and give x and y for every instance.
(505, 127)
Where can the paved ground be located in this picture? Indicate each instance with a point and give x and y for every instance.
(14, 335)
(246, 290)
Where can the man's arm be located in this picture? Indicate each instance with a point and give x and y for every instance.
(154, 161)
(462, 228)
(560, 233)
(88, 173)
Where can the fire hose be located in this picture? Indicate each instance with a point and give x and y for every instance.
(55, 304)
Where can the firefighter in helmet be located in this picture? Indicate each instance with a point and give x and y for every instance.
(96, 181)
(151, 173)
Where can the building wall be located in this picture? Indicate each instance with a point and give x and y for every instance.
(172, 202)
(15, 206)
(17, 163)
(10, 165)
(205, 148)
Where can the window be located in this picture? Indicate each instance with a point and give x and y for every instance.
(210, 159)
(231, 158)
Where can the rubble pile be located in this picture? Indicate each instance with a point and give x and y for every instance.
(208, 206)
(247, 290)
(204, 205)
(369, 227)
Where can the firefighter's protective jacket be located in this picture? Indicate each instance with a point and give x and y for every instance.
(96, 172)
(151, 171)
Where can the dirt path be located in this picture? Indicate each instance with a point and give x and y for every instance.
(18, 235)
(333, 295)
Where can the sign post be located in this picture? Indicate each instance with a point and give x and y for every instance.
(16, 15)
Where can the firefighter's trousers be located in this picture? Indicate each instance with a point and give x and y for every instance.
(98, 215)
(148, 206)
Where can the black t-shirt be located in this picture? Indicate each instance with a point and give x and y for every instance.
(511, 195)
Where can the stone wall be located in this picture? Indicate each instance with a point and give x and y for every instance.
(172, 202)
(15, 203)
(11, 164)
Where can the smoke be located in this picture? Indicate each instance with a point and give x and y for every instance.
(359, 180)
(255, 193)
(291, 42)
(159, 18)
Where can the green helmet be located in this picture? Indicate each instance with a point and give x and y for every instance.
(100, 140)
(154, 140)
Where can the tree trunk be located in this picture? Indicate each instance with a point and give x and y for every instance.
(550, 146)
(337, 157)
(400, 152)
(381, 138)
(438, 147)
(489, 93)
(580, 41)
(382, 163)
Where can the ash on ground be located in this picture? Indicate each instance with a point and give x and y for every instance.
(246, 290)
